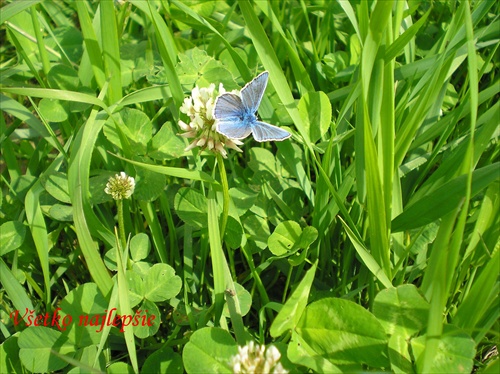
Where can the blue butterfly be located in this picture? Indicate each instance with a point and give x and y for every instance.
(236, 118)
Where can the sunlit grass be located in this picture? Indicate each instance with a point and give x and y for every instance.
(386, 195)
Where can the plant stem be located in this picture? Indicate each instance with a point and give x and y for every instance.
(121, 224)
(225, 194)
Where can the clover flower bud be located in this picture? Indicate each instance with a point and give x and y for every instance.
(253, 358)
(199, 108)
(121, 186)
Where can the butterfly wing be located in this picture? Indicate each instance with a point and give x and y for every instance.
(233, 114)
(227, 106)
(233, 128)
(263, 132)
(252, 93)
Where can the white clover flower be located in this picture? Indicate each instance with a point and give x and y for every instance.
(121, 186)
(256, 359)
(199, 107)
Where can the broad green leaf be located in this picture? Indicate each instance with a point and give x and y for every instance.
(56, 184)
(61, 212)
(69, 39)
(292, 158)
(86, 307)
(401, 310)
(293, 198)
(308, 236)
(120, 368)
(52, 110)
(196, 68)
(257, 229)
(36, 349)
(243, 198)
(344, 333)
(300, 353)
(233, 235)
(140, 246)
(130, 130)
(149, 320)
(164, 360)
(191, 207)
(316, 113)
(12, 235)
(291, 312)
(9, 355)
(141, 268)
(455, 351)
(136, 288)
(493, 367)
(262, 159)
(244, 298)
(399, 354)
(161, 283)
(133, 62)
(97, 184)
(180, 317)
(63, 77)
(110, 259)
(86, 357)
(211, 349)
(22, 185)
(166, 144)
(149, 185)
(284, 237)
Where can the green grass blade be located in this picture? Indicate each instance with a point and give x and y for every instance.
(403, 40)
(40, 42)
(17, 294)
(84, 217)
(15, 7)
(292, 310)
(153, 222)
(93, 48)
(167, 48)
(55, 94)
(367, 258)
(351, 15)
(111, 50)
(300, 72)
(39, 232)
(13, 108)
(446, 197)
(123, 298)
(174, 172)
(435, 287)
(371, 76)
(221, 273)
(481, 296)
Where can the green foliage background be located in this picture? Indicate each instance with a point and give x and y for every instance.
(368, 241)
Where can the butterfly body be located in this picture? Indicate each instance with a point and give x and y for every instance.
(236, 114)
